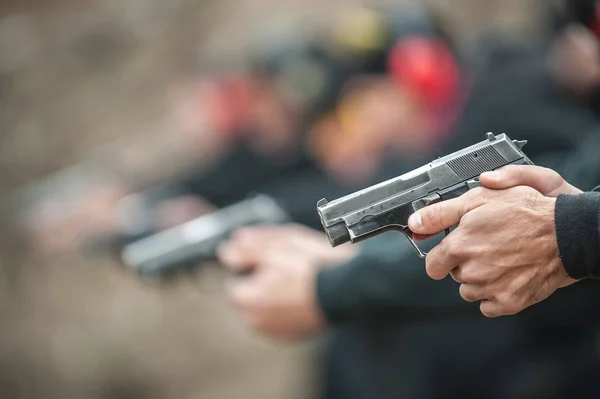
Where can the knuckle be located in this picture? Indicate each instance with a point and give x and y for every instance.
(488, 311)
(455, 250)
(476, 274)
(456, 275)
(504, 298)
(432, 268)
(510, 304)
(468, 276)
(476, 192)
(429, 267)
(512, 309)
(476, 197)
(466, 294)
(467, 219)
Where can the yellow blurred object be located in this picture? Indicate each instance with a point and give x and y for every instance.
(323, 135)
(348, 111)
(361, 29)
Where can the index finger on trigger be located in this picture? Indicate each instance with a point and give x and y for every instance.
(433, 219)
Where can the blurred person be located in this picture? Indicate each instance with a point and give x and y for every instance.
(239, 118)
(255, 123)
(364, 115)
(353, 142)
(396, 334)
(291, 79)
(395, 116)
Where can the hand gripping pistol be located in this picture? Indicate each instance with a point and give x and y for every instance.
(388, 205)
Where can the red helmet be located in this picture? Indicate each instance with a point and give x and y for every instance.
(426, 67)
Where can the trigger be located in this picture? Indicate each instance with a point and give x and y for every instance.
(420, 253)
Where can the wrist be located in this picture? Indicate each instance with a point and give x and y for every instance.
(556, 269)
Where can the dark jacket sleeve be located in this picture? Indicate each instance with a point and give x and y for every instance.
(577, 217)
(577, 220)
(385, 281)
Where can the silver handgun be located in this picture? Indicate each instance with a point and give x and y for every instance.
(196, 241)
(388, 205)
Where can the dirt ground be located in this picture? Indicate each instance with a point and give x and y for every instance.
(74, 76)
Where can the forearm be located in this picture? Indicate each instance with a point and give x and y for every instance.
(577, 219)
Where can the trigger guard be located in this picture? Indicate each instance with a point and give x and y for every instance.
(420, 253)
(412, 242)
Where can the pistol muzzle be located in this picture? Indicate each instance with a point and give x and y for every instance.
(338, 234)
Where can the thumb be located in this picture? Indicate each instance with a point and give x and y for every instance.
(544, 180)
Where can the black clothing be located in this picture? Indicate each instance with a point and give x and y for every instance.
(396, 326)
(577, 219)
(295, 181)
(386, 276)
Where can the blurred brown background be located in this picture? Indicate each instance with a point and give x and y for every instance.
(74, 77)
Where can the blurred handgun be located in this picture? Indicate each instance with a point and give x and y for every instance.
(196, 241)
(388, 205)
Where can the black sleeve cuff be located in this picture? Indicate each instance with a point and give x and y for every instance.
(577, 219)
